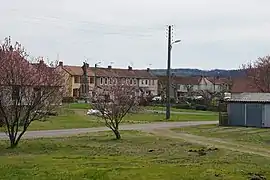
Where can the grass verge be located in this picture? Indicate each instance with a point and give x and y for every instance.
(159, 108)
(138, 156)
(70, 117)
(67, 119)
(244, 135)
(156, 117)
(77, 118)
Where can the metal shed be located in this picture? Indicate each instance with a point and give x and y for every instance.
(249, 109)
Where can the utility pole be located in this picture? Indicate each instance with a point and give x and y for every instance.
(168, 98)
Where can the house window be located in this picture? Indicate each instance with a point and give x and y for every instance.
(76, 79)
(111, 81)
(106, 80)
(135, 82)
(15, 92)
(142, 81)
(146, 81)
(101, 80)
(91, 79)
(130, 81)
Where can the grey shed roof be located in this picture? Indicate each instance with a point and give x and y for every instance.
(251, 97)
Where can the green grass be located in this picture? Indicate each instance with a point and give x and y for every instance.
(74, 116)
(67, 119)
(78, 106)
(88, 106)
(159, 108)
(243, 135)
(98, 157)
(152, 117)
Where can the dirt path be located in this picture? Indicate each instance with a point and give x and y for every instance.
(140, 127)
(214, 142)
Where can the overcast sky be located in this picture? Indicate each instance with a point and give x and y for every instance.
(214, 33)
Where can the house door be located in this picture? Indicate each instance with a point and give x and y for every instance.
(75, 92)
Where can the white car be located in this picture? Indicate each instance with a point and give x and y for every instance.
(93, 112)
(157, 98)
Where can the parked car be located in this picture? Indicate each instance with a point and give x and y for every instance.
(157, 98)
(93, 112)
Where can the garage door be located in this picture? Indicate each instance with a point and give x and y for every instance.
(236, 114)
(254, 115)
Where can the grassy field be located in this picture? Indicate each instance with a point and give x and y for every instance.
(78, 106)
(138, 156)
(155, 117)
(67, 119)
(77, 119)
(160, 108)
(242, 135)
(74, 116)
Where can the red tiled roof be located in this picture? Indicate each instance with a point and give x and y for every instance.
(106, 72)
(243, 84)
(195, 80)
(217, 81)
(77, 70)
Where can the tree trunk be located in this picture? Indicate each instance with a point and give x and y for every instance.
(117, 134)
(13, 142)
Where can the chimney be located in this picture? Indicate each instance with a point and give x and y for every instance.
(86, 65)
(148, 69)
(60, 63)
(129, 68)
(109, 67)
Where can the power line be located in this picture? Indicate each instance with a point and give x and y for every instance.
(101, 28)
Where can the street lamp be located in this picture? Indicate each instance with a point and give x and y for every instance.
(175, 42)
(168, 98)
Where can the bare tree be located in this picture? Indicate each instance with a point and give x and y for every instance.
(114, 102)
(27, 90)
(189, 88)
(258, 73)
(227, 85)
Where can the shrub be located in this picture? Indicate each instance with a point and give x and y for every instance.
(182, 106)
(201, 107)
(213, 108)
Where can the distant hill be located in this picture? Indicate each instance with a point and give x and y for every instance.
(198, 72)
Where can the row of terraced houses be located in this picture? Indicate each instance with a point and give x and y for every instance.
(144, 79)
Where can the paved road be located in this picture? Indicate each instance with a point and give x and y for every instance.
(178, 112)
(142, 127)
